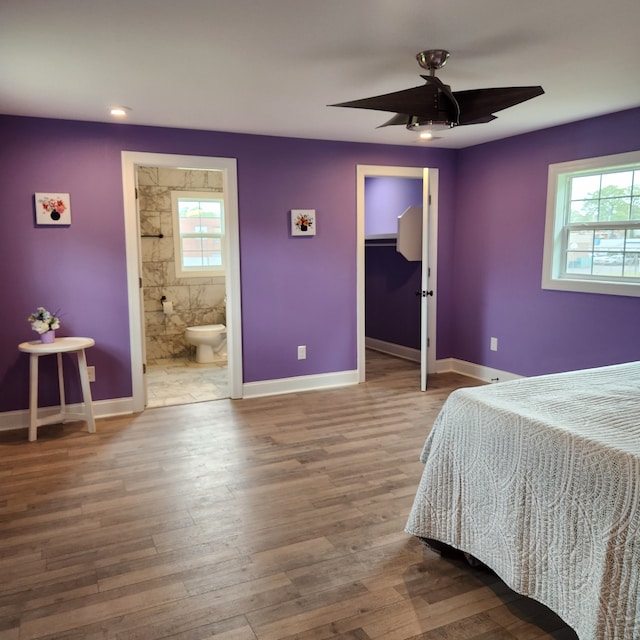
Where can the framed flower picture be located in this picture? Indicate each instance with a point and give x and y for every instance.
(303, 222)
(53, 208)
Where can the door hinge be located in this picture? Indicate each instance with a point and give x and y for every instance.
(144, 368)
(428, 342)
(140, 283)
(429, 198)
(137, 193)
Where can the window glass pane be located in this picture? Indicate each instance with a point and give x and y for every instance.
(191, 245)
(212, 258)
(632, 265)
(613, 208)
(578, 262)
(585, 187)
(620, 182)
(632, 240)
(607, 265)
(635, 208)
(192, 259)
(636, 183)
(609, 240)
(583, 211)
(211, 244)
(189, 225)
(580, 240)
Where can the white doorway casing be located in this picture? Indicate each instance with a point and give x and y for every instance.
(429, 250)
(130, 161)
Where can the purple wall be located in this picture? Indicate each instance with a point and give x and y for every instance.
(392, 309)
(302, 290)
(497, 258)
(294, 290)
(385, 199)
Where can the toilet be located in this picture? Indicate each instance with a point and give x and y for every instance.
(209, 340)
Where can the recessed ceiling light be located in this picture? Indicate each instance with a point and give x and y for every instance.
(426, 135)
(120, 112)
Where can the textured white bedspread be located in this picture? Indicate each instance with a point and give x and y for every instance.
(538, 478)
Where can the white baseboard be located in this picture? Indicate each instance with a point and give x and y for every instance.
(124, 406)
(300, 383)
(486, 374)
(101, 409)
(407, 353)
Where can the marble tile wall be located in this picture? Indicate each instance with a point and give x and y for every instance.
(196, 301)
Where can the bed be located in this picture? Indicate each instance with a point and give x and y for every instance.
(538, 479)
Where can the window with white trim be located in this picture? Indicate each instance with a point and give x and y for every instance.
(592, 233)
(198, 233)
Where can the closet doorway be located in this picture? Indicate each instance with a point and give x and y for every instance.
(428, 249)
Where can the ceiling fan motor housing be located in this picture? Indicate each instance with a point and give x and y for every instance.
(435, 116)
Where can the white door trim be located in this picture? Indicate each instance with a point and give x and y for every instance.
(362, 172)
(131, 160)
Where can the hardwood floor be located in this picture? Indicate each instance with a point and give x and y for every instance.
(271, 519)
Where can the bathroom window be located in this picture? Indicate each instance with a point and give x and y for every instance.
(198, 232)
(592, 237)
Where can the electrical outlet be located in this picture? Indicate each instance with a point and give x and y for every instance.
(494, 344)
(302, 352)
(91, 372)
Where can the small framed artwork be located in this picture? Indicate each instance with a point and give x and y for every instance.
(53, 208)
(303, 222)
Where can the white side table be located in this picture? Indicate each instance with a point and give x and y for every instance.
(35, 349)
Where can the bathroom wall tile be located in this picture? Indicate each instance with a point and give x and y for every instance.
(163, 249)
(190, 179)
(166, 223)
(154, 199)
(147, 176)
(155, 320)
(154, 274)
(146, 250)
(206, 296)
(151, 298)
(149, 222)
(204, 316)
(158, 347)
(176, 325)
(179, 296)
(156, 249)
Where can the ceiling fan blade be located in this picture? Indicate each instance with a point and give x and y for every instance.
(480, 103)
(482, 120)
(415, 101)
(399, 118)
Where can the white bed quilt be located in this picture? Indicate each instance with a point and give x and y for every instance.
(538, 478)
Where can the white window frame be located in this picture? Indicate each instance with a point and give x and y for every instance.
(196, 272)
(552, 270)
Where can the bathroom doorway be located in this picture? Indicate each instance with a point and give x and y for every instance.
(162, 304)
(174, 297)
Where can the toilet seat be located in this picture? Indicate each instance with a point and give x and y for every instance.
(207, 328)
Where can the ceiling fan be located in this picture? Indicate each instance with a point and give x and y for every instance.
(434, 106)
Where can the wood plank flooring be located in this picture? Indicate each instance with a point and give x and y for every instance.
(262, 519)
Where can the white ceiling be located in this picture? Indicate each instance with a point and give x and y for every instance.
(271, 66)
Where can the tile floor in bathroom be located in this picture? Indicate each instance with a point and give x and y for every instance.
(183, 381)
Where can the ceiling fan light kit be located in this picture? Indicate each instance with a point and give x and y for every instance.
(434, 107)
